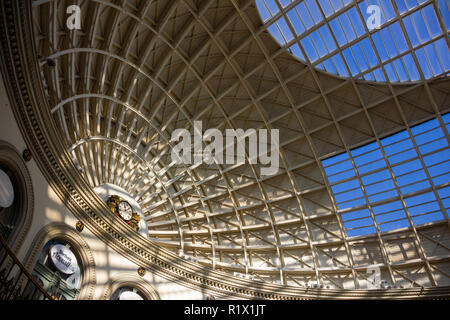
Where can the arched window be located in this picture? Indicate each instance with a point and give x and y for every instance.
(128, 293)
(16, 196)
(126, 286)
(59, 270)
(9, 201)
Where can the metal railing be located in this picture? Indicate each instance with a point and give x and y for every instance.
(16, 283)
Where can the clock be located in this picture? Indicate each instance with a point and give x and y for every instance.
(122, 208)
(125, 210)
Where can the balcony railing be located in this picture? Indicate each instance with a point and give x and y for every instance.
(16, 283)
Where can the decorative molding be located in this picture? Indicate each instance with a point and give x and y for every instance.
(79, 226)
(121, 280)
(19, 66)
(65, 233)
(141, 271)
(26, 155)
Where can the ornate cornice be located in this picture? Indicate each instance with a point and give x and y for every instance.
(22, 79)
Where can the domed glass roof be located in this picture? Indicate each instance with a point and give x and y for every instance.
(137, 71)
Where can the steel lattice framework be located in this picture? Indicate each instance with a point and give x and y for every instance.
(137, 70)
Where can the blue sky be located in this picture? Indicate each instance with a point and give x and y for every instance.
(332, 34)
(413, 174)
(370, 182)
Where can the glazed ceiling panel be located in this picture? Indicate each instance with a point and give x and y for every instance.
(138, 70)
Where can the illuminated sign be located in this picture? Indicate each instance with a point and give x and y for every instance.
(63, 259)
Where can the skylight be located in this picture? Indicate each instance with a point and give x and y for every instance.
(376, 40)
(407, 173)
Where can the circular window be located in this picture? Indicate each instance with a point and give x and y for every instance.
(376, 40)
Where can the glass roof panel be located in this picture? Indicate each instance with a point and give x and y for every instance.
(394, 40)
(412, 165)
